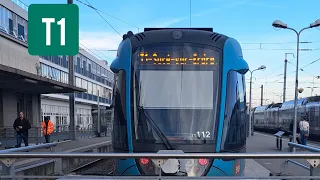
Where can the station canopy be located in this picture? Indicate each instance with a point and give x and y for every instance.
(22, 81)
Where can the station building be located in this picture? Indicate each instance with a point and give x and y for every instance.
(39, 86)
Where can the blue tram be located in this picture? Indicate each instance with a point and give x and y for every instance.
(179, 89)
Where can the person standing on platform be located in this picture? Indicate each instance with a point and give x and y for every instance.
(47, 128)
(21, 125)
(304, 130)
(297, 132)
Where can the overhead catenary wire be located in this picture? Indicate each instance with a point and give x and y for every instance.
(303, 42)
(274, 49)
(301, 69)
(307, 72)
(89, 5)
(92, 7)
(126, 22)
(91, 51)
(291, 72)
(268, 90)
(275, 70)
(91, 47)
(289, 62)
(256, 89)
(94, 49)
(311, 63)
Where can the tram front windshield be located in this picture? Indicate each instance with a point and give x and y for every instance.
(176, 89)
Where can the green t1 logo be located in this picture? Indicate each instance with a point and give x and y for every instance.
(53, 29)
(48, 22)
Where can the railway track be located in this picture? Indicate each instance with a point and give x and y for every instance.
(103, 167)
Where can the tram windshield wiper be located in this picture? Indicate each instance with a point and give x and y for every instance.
(154, 126)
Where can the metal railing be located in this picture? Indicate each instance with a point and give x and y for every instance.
(87, 177)
(46, 166)
(29, 148)
(298, 164)
(224, 156)
(314, 161)
(300, 146)
(8, 164)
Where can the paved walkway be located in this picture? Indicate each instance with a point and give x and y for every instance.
(262, 142)
(254, 169)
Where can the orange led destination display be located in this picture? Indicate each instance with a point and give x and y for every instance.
(157, 59)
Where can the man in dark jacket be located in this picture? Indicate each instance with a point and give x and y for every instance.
(297, 131)
(21, 125)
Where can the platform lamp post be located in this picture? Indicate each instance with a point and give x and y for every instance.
(314, 77)
(250, 98)
(71, 95)
(280, 24)
(285, 76)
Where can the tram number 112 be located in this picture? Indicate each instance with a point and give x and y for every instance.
(203, 134)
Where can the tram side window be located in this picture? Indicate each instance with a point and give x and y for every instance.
(119, 133)
(234, 131)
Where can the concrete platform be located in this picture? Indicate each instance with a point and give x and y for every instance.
(254, 169)
(262, 142)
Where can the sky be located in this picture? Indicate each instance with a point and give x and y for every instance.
(248, 21)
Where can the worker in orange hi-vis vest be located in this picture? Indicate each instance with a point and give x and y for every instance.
(47, 128)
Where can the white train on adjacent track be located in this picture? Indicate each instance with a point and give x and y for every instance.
(279, 116)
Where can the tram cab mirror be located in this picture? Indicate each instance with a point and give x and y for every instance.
(242, 71)
(113, 68)
(240, 65)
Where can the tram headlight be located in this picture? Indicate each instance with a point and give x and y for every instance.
(147, 167)
(197, 167)
(144, 161)
(203, 162)
(188, 167)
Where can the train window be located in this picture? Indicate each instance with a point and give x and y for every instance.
(314, 99)
(119, 133)
(234, 131)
